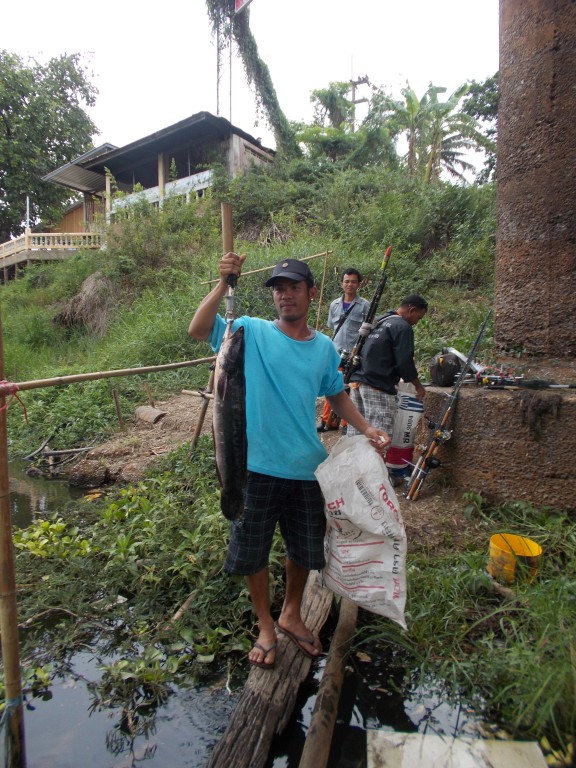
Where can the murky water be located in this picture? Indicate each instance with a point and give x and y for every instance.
(32, 497)
(66, 730)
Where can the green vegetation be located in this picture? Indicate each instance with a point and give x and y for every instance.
(114, 572)
(43, 125)
(513, 657)
(154, 270)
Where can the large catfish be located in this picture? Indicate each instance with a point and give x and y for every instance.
(229, 424)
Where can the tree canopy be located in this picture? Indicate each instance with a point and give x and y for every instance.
(437, 134)
(42, 125)
(481, 103)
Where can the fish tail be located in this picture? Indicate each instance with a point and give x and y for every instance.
(232, 505)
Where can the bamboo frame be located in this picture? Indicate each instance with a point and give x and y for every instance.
(325, 254)
(13, 714)
(8, 388)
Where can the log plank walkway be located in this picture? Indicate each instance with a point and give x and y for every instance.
(269, 696)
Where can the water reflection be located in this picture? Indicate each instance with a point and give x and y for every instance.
(32, 497)
(67, 730)
(377, 693)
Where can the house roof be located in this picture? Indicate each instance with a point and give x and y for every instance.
(130, 163)
(74, 175)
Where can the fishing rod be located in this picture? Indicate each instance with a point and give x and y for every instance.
(351, 359)
(440, 433)
(492, 381)
(232, 280)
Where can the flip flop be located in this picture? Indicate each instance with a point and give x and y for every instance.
(262, 664)
(298, 640)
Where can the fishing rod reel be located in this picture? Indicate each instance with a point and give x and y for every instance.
(441, 434)
(434, 462)
(344, 357)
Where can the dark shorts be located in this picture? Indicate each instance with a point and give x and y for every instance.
(296, 505)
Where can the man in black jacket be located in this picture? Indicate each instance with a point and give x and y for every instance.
(387, 356)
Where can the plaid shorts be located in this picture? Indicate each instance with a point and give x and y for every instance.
(378, 408)
(296, 505)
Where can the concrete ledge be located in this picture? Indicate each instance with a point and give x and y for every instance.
(508, 444)
(415, 750)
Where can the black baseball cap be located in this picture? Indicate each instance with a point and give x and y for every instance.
(293, 270)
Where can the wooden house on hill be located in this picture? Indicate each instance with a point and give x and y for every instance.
(176, 160)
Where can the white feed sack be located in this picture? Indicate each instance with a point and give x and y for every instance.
(365, 537)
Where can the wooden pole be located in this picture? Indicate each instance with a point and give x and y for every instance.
(227, 246)
(227, 231)
(321, 291)
(8, 387)
(151, 402)
(13, 720)
(118, 409)
(319, 738)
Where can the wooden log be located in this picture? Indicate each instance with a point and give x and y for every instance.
(319, 737)
(147, 413)
(65, 451)
(269, 696)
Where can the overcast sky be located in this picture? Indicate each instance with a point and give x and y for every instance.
(155, 63)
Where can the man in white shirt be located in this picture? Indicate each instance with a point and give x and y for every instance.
(345, 316)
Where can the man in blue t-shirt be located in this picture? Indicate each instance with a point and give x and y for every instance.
(287, 366)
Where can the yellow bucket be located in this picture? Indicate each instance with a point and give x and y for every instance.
(513, 558)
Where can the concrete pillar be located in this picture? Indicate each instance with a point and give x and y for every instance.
(535, 300)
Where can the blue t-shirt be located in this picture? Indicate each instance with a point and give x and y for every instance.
(283, 379)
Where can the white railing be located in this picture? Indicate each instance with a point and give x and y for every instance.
(46, 241)
(181, 188)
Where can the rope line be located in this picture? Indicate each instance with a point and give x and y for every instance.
(8, 388)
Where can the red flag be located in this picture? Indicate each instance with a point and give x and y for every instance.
(241, 4)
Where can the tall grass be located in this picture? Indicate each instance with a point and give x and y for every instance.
(515, 657)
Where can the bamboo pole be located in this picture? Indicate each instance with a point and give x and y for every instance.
(324, 254)
(13, 720)
(7, 388)
(321, 291)
(227, 231)
(227, 246)
(319, 738)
